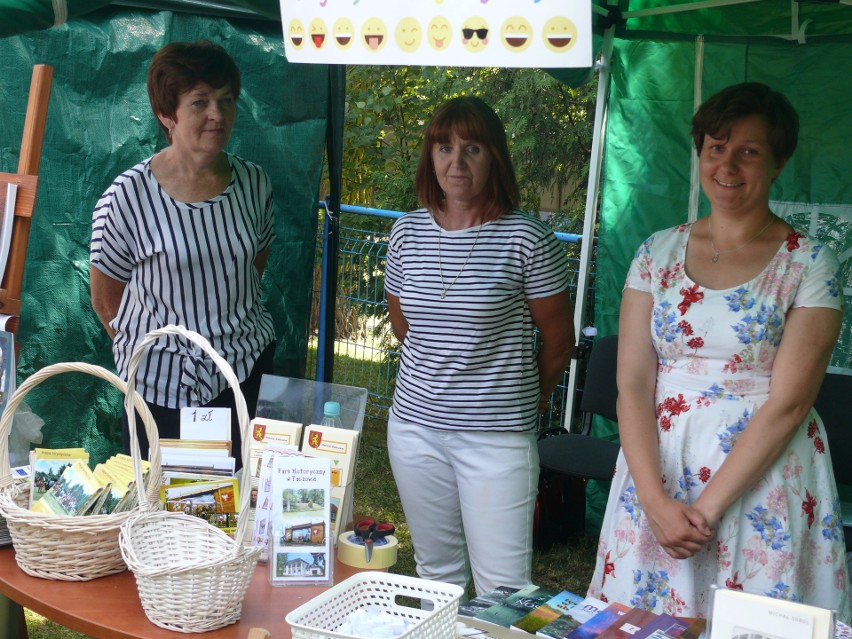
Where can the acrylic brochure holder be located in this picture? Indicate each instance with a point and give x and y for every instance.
(302, 401)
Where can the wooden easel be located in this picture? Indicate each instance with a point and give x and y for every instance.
(27, 180)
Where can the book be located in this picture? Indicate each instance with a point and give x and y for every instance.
(695, 630)
(515, 606)
(73, 493)
(47, 466)
(598, 623)
(628, 624)
(736, 613)
(549, 611)
(663, 627)
(8, 196)
(480, 603)
(570, 621)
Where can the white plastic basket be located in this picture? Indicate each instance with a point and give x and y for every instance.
(319, 617)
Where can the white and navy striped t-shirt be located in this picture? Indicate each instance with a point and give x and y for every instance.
(468, 360)
(190, 264)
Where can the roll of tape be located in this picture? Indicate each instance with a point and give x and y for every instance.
(350, 550)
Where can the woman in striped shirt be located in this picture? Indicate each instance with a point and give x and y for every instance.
(469, 278)
(182, 238)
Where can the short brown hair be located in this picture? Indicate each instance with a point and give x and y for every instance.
(471, 119)
(179, 66)
(719, 112)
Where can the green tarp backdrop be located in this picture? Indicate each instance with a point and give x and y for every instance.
(99, 124)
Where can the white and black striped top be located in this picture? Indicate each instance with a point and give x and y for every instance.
(190, 264)
(468, 360)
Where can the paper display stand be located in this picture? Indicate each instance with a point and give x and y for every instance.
(301, 401)
(742, 615)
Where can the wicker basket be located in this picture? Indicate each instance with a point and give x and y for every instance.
(60, 547)
(318, 618)
(191, 576)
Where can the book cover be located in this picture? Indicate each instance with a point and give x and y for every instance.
(8, 195)
(549, 611)
(559, 628)
(597, 624)
(695, 630)
(480, 603)
(74, 491)
(47, 467)
(216, 502)
(628, 624)
(663, 627)
(580, 613)
(300, 524)
(516, 605)
(265, 430)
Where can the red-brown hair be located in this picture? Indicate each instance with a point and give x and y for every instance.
(471, 119)
(180, 66)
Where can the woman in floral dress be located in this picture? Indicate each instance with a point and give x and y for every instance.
(725, 476)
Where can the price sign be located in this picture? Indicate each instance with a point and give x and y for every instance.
(197, 422)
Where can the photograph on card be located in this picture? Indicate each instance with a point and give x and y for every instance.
(300, 520)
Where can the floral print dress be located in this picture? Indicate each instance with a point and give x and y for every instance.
(782, 538)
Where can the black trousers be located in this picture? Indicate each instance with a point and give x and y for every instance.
(168, 419)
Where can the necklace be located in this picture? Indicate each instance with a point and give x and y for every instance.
(717, 252)
(444, 289)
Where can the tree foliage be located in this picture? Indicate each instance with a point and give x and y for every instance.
(549, 126)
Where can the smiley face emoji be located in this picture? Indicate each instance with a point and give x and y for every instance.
(475, 34)
(408, 34)
(344, 33)
(517, 34)
(318, 32)
(374, 34)
(559, 34)
(297, 33)
(439, 33)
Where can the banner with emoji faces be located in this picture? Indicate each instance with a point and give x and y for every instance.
(471, 33)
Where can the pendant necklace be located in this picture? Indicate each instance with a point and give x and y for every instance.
(444, 289)
(717, 252)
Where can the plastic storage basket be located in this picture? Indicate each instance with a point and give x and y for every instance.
(191, 576)
(318, 618)
(60, 547)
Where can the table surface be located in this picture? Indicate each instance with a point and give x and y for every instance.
(109, 607)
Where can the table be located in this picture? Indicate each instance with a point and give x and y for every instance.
(109, 607)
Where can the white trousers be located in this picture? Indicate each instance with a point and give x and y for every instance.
(469, 499)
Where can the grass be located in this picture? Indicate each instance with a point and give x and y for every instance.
(564, 566)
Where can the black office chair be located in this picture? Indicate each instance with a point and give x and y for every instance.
(832, 404)
(569, 460)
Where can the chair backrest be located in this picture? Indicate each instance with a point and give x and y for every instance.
(835, 408)
(599, 388)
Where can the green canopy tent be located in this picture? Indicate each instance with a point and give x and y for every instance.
(99, 124)
(660, 59)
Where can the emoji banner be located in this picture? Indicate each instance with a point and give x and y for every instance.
(470, 33)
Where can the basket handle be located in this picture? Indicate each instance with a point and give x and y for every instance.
(239, 400)
(78, 367)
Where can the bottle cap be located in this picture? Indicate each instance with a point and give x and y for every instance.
(332, 409)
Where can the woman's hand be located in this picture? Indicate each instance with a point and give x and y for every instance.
(681, 530)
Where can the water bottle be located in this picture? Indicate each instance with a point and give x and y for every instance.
(331, 415)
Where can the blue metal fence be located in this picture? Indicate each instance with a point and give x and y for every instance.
(366, 353)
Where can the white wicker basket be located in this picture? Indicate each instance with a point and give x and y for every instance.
(60, 547)
(190, 575)
(318, 618)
